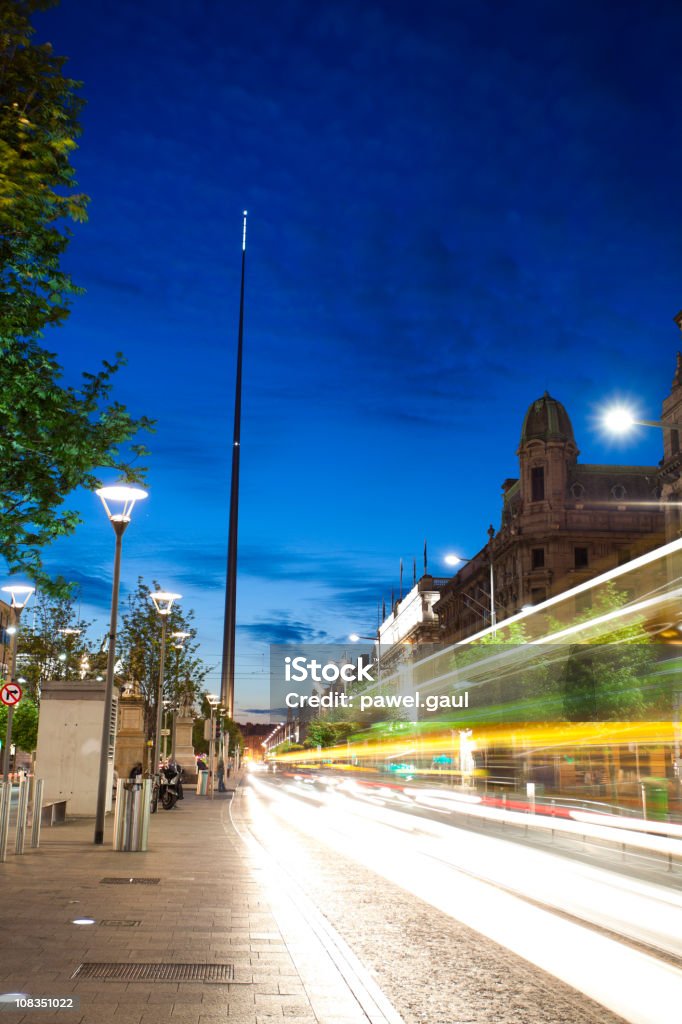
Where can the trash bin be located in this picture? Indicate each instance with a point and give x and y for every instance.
(131, 821)
(202, 783)
(655, 793)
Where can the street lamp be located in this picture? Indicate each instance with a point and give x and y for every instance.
(20, 594)
(163, 602)
(179, 637)
(355, 637)
(118, 502)
(213, 703)
(620, 420)
(455, 560)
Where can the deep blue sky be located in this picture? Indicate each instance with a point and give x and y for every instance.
(452, 207)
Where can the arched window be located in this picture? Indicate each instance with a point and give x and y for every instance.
(577, 490)
(618, 492)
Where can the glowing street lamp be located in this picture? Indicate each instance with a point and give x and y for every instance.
(20, 594)
(453, 560)
(213, 703)
(620, 420)
(118, 502)
(179, 638)
(163, 601)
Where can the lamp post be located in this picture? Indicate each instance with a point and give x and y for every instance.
(163, 602)
(213, 702)
(355, 637)
(455, 560)
(21, 595)
(179, 637)
(619, 420)
(118, 501)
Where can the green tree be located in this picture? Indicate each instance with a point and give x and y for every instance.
(45, 652)
(24, 724)
(139, 643)
(323, 733)
(234, 740)
(54, 436)
(607, 671)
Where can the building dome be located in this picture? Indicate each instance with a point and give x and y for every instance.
(546, 420)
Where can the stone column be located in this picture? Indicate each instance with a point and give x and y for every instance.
(184, 748)
(130, 741)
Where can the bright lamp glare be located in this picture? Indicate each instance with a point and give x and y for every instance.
(619, 420)
(452, 559)
(354, 638)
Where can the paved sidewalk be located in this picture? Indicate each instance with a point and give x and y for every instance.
(219, 900)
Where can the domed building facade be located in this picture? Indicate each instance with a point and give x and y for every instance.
(562, 522)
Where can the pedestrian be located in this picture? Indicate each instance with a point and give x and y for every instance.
(221, 776)
(201, 765)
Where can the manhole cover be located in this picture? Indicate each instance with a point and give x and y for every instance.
(120, 924)
(130, 881)
(156, 972)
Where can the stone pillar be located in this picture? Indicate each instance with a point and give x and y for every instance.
(184, 748)
(130, 739)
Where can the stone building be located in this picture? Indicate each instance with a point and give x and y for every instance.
(670, 472)
(563, 522)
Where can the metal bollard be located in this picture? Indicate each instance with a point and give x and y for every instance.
(37, 813)
(22, 811)
(131, 821)
(5, 805)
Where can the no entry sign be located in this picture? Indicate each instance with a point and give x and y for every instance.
(11, 694)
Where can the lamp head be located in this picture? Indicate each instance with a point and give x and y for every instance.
(354, 637)
(453, 559)
(119, 501)
(20, 594)
(163, 601)
(180, 636)
(618, 420)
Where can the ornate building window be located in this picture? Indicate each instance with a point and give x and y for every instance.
(577, 490)
(537, 483)
(581, 556)
(618, 492)
(537, 558)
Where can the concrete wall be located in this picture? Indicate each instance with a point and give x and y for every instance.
(69, 741)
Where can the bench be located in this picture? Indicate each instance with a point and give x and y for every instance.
(53, 813)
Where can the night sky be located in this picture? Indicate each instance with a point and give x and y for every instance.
(452, 207)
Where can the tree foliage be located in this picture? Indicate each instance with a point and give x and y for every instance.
(24, 724)
(233, 735)
(606, 673)
(139, 648)
(44, 652)
(54, 436)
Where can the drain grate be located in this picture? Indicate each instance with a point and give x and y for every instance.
(156, 972)
(129, 881)
(120, 924)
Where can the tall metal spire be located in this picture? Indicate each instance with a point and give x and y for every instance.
(230, 621)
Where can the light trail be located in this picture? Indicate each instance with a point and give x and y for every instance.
(485, 883)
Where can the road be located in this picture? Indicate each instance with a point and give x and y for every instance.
(462, 927)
